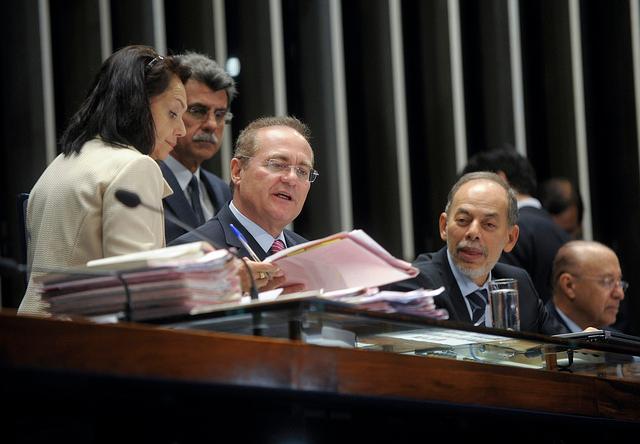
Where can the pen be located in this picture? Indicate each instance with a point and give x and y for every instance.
(244, 243)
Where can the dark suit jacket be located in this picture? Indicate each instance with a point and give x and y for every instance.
(539, 241)
(178, 206)
(436, 272)
(218, 230)
(553, 312)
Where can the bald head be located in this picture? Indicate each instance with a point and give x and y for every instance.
(577, 255)
(586, 283)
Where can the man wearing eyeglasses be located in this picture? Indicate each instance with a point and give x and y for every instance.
(478, 224)
(271, 174)
(198, 194)
(587, 286)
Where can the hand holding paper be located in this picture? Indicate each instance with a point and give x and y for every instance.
(343, 260)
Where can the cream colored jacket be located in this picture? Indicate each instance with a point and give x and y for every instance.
(74, 217)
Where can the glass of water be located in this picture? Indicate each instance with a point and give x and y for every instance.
(503, 303)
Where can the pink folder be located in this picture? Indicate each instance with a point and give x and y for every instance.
(342, 260)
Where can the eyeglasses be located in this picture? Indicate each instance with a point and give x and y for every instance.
(201, 113)
(606, 282)
(277, 166)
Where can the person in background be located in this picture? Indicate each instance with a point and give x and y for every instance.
(198, 193)
(540, 237)
(478, 225)
(587, 286)
(563, 202)
(131, 117)
(271, 172)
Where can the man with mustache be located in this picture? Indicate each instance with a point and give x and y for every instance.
(198, 194)
(271, 174)
(539, 237)
(587, 286)
(478, 224)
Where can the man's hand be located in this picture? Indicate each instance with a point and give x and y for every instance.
(267, 276)
(265, 273)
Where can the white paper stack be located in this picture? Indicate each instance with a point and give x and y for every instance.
(417, 302)
(160, 284)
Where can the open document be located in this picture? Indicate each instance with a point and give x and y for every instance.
(343, 260)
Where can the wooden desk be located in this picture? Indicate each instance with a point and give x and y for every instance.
(130, 352)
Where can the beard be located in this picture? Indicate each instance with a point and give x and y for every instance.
(471, 273)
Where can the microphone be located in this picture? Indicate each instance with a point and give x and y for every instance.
(132, 200)
(9, 267)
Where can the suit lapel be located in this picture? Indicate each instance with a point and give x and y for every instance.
(177, 203)
(553, 312)
(292, 238)
(215, 193)
(226, 217)
(455, 296)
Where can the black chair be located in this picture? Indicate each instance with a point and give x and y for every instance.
(23, 232)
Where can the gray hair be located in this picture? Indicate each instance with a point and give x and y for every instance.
(206, 70)
(512, 203)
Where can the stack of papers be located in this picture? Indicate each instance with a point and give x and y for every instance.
(343, 260)
(169, 256)
(159, 285)
(417, 302)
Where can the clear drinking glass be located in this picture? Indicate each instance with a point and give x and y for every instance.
(503, 302)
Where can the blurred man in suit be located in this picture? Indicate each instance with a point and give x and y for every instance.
(564, 203)
(198, 194)
(271, 173)
(540, 237)
(587, 286)
(478, 225)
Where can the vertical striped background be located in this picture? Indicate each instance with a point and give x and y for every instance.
(398, 93)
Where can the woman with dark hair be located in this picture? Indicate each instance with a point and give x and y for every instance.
(131, 117)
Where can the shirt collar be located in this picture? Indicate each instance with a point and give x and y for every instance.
(466, 285)
(572, 326)
(264, 239)
(529, 202)
(183, 174)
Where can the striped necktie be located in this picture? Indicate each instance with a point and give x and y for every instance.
(478, 302)
(277, 245)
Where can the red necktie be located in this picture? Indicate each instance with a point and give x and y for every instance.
(277, 245)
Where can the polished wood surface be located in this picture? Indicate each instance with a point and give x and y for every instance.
(196, 356)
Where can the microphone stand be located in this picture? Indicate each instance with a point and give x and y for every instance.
(128, 308)
(132, 200)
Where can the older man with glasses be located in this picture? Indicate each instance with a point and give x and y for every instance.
(587, 286)
(271, 174)
(197, 193)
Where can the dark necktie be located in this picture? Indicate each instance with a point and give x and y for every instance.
(478, 302)
(194, 194)
(277, 245)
